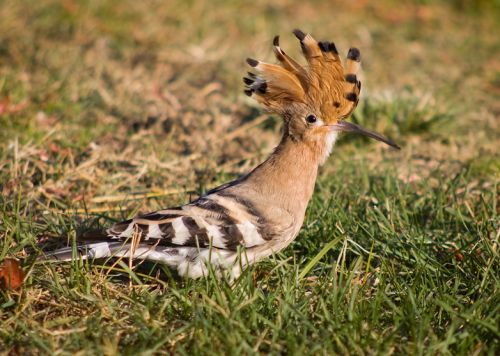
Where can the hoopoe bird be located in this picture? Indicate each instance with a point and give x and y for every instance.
(257, 215)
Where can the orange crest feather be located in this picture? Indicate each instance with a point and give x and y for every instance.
(324, 84)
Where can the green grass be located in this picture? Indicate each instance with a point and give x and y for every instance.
(399, 250)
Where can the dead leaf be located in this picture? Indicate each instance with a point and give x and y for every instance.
(11, 274)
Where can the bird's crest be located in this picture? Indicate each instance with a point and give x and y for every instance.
(327, 86)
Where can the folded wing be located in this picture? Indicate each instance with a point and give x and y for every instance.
(218, 220)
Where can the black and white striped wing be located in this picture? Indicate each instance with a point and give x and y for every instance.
(219, 220)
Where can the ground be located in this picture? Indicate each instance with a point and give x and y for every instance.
(109, 108)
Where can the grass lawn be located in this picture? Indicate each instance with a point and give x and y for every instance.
(109, 108)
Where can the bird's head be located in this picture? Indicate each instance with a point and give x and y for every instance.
(314, 99)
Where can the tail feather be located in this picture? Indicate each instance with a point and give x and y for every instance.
(88, 251)
(171, 256)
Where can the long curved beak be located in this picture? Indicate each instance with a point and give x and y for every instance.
(345, 126)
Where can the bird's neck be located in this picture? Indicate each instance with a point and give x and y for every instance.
(286, 179)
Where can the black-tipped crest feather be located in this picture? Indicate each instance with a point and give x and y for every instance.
(299, 34)
(354, 54)
(252, 62)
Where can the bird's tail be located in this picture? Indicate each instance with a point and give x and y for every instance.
(171, 256)
(188, 261)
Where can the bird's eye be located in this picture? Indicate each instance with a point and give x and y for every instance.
(311, 119)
